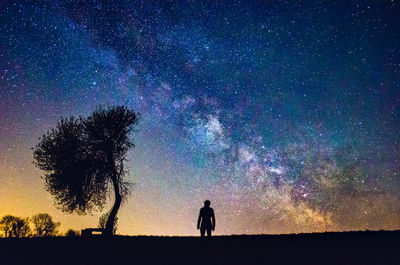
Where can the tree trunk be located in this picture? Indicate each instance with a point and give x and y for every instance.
(114, 210)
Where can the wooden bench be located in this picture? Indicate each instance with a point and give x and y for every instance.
(88, 232)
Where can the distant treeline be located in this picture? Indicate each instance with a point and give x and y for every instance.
(39, 225)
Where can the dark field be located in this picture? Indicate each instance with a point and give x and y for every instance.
(329, 248)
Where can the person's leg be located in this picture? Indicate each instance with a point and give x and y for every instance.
(208, 232)
(202, 231)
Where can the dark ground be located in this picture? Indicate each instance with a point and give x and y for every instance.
(357, 248)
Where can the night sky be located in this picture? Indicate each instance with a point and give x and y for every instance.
(285, 115)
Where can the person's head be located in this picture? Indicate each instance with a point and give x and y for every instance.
(207, 203)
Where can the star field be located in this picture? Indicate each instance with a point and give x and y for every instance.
(285, 115)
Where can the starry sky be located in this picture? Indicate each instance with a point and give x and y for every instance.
(284, 114)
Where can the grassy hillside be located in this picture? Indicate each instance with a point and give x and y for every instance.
(356, 248)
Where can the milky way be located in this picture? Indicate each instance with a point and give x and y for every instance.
(285, 115)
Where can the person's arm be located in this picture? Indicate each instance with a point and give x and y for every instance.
(213, 220)
(198, 220)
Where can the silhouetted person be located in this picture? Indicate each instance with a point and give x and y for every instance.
(206, 221)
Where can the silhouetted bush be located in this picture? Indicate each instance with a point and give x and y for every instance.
(103, 220)
(72, 233)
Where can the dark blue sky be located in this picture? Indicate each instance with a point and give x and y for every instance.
(285, 114)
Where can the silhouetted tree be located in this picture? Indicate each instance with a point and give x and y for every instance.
(14, 226)
(6, 225)
(44, 225)
(72, 233)
(103, 221)
(21, 228)
(83, 157)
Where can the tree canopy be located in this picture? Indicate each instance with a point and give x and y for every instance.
(83, 157)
